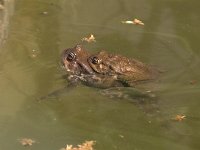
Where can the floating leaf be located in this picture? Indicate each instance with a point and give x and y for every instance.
(89, 39)
(87, 145)
(179, 117)
(26, 142)
(135, 21)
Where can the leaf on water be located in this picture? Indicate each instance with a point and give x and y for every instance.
(87, 145)
(89, 39)
(193, 82)
(179, 117)
(135, 22)
(26, 142)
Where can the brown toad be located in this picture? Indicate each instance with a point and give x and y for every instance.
(114, 73)
(104, 70)
(120, 69)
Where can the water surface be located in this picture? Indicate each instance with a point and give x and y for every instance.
(39, 30)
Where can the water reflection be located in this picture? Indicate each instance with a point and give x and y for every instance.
(169, 40)
(6, 11)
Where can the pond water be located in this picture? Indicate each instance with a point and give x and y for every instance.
(39, 30)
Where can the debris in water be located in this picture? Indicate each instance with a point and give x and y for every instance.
(34, 53)
(179, 117)
(88, 145)
(26, 142)
(89, 39)
(135, 22)
(1, 7)
(193, 82)
(45, 13)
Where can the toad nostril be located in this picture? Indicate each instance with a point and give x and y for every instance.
(78, 47)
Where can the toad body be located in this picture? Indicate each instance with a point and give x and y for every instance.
(105, 70)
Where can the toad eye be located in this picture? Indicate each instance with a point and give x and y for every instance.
(71, 56)
(95, 60)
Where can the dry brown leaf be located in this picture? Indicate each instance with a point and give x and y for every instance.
(193, 82)
(89, 39)
(135, 21)
(87, 145)
(26, 142)
(179, 117)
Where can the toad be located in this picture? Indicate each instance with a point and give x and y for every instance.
(122, 70)
(104, 70)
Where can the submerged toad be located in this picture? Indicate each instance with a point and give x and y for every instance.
(103, 69)
(117, 74)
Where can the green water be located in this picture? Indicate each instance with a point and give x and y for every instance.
(40, 29)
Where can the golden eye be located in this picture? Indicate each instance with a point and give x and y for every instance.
(95, 60)
(71, 56)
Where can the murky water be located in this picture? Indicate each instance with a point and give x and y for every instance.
(39, 30)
